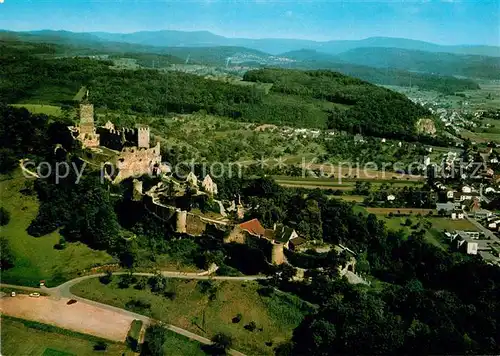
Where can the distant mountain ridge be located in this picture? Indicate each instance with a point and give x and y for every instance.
(172, 38)
(382, 65)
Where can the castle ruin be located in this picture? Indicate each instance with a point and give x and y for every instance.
(134, 156)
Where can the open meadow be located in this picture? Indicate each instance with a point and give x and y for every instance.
(21, 337)
(35, 257)
(419, 218)
(189, 306)
(41, 109)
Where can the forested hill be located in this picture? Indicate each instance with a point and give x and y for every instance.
(298, 98)
(357, 106)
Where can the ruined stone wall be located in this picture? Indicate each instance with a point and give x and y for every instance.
(134, 162)
(163, 212)
(349, 266)
(110, 138)
(195, 225)
(118, 139)
(89, 139)
(143, 136)
(131, 137)
(137, 192)
(237, 235)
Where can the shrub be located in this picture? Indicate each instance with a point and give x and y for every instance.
(6, 256)
(221, 343)
(107, 278)
(61, 245)
(155, 338)
(100, 346)
(126, 280)
(251, 326)
(4, 216)
(226, 270)
(209, 288)
(170, 294)
(138, 305)
(237, 318)
(141, 284)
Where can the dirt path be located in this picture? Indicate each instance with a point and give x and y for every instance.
(82, 317)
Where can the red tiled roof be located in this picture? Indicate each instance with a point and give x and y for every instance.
(254, 227)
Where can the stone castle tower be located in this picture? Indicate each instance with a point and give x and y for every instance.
(277, 255)
(143, 137)
(86, 118)
(181, 221)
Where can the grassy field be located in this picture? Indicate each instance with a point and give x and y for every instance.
(344, 184)
(178, 345)
(275, 316)
(20, 339)
(36, 257)
(434, 234)
(481, 136)
(41, 109)
(405, 211)
(351, 198)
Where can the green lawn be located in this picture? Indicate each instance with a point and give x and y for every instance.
(41, 109)
(178, 345)
(19, 339)
(435, 234)
(277, 315)
(345, 184)
(36, 257)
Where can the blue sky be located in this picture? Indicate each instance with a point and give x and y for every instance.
(440, 21)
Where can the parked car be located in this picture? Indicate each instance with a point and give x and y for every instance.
(12, 294)
(34, 295)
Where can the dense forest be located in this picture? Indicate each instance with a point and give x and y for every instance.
(361, 106)
(298, 98)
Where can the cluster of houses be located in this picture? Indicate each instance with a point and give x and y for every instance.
(458, 200)
(475, 243)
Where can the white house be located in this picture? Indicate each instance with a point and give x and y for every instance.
(482, 214)
(466, 189)
(465, 242)
(209, 186)
(493, 225)
(391, 197)
(191, 179)
(490, 190)
(457, 215)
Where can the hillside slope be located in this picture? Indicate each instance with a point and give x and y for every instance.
(298, 98)
(420, 61)
(358, 106)
(168, 38)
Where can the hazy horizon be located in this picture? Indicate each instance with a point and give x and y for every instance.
(445, 22)
(253, 38)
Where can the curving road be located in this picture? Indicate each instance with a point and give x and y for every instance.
(64, 291)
